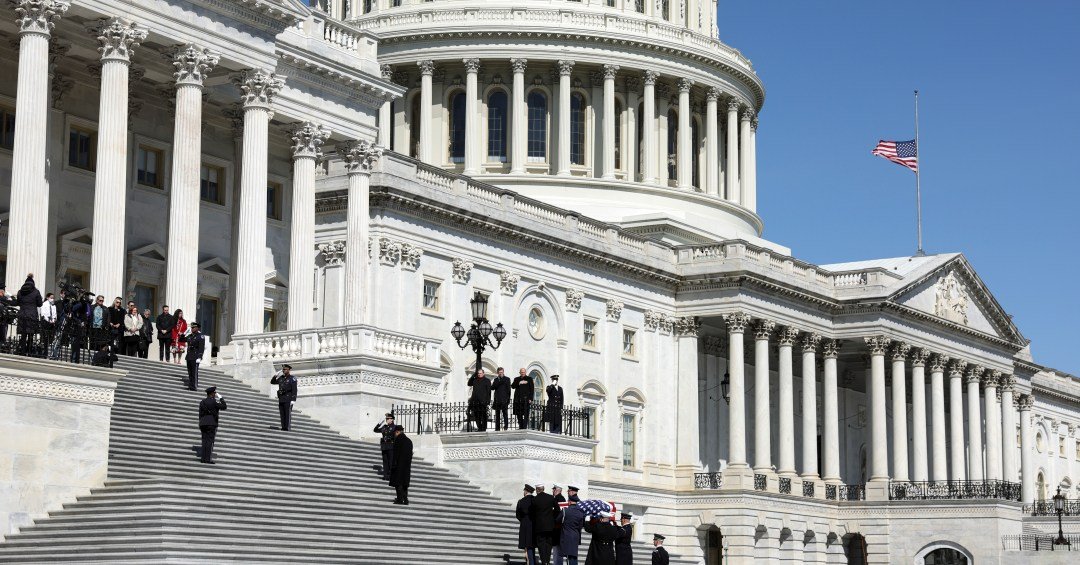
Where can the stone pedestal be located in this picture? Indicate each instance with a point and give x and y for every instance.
(503, 462)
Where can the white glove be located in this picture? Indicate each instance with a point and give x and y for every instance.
(197, 361)
(292, 402)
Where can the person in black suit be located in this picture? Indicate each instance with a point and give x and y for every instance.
(286, 394)
(480, 399)
(524, 513)
(659, 554)
(553, 411)
(624, 553)
(386, 443)
(208, 422)
(196, 346)
(543, 518)
(523, 397)
(500, 390)
(401, 472)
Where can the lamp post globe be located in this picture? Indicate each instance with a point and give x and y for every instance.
(457, 332)
(1059, 508)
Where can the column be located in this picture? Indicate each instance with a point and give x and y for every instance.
(750, 171)
(472, 118)
(630, 147)
(736, 325)
(762, 410)
(937, 417)
(427, 68)
(688, 457)
(731, 176)
(566, 68)
(307, 142)
(958, 470)
(683, 167)
(386, 118)
(28, 239)
(1027, 469)
(116, 38)
(975, 453)
(993, 425)
(1008, 429)
(879, 437)
(830, 424)
(919, 463)
(809, 406)
(359, 157)
(786, 403)
(744, 156)
(648, 132)
(257, 90)
(192, 63)
(712, 142)
(899, 410)
(519, 126)
(609, 121)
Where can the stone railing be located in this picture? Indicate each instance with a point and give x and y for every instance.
(591, 19)
(317, 343)
(341, 36)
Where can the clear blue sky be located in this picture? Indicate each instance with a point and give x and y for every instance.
(999, 87)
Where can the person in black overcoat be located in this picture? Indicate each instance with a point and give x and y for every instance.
(624, 554)
(286, 395)
(573, 519)
(524, 513)
(554, 408)
(543, 519)
(523, 397)
(29, 301)
(602, 546)
(556, 491)
(401, 466)
(208, 422)
(500, 391)
(659, 554)
(480, 399)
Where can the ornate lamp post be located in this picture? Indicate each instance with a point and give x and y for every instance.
(1059, 507)
(480, 332)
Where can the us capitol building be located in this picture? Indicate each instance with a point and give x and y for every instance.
(329, 185)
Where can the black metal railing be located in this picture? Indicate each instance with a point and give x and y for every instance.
(809, 488)
(955, 490)
(845, 492)
(1046, 508)
(460, 417)
(707, 481)
(785, 485)
(1039, 542)
(62, 341)
(759, 482)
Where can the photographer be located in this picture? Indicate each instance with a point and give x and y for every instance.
(104, 357)
(76, 314)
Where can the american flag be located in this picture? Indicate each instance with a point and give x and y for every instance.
(594, 508)
(904, 153)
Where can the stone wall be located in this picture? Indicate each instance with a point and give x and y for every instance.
(55, 444)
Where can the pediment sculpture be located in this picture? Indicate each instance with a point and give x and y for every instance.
(952, 299)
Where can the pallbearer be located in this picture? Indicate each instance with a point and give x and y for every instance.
(624, 554)
(659, 554)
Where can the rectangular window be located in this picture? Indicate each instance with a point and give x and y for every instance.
(269, 321)
(206, 315)
(145, 297)
(431, 295)
(273, 200)
(1061, 446)
(82, 148)
(588, 338)
(148, 166)
(628, 440)
(629, 349)
(212, 184)
(7, 128)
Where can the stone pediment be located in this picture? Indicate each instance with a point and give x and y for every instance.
(953, 292)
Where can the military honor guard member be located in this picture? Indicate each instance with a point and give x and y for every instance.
(553, 411)
(602, 546)
(526, 535)
(556, 553)
(208, 422)
(196, 345)
(401, 471)
(573, 520)
(286, 394)
(659, 554)
(544, 509)
(386, 443)
(624, 553)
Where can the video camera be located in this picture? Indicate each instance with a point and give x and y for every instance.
(73, 293)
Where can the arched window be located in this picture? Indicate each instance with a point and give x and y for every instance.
(367, 6)
(497, 126)
(537, 145)
(665, 9)
(618, 134)
(945, 556)
(538, 385)
(457, 127)
(414, 126)
(672, 145)
(577, 128)
(1040, 486)
(639, 6)
(695, 154)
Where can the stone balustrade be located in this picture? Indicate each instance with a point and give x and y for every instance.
(340, 341)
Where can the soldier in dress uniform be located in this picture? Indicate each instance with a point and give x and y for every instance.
(196, 346)
(524, 513)
(659, 554)
(208, 422)
(602, 547)
(624, 554)
(553, 412)
(556, 534)
(386, 443)
(286, 395)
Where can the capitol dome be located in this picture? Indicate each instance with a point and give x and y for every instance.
(633, 112)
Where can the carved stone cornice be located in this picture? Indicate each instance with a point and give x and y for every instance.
(307, 140)
(573, 299)
(258, 88)
(389, 251)
(614, 310)
(116, 38)
(359, 156)
(688, 326)
(462, 270)
(39, 16)
(878, 344)
(410, 256)
(763, 329)
(508, 283)
(333, 252)
(737, 322)
(191, 63)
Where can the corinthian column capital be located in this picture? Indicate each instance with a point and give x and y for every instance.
(737, 322)
(787, 336)
(359, 156)
(519, 65)
(191, 63)
(877, 344)
(733, 105)
(712, 94)
(610, 71)
(900, 351)
(471, 65)
(810, 342)
(748, 114)
(116, 38)
(650, 77)
(38, 16)
(685, 84)
(831, 348)
(257, 87)
(763, 329)
(308, 139)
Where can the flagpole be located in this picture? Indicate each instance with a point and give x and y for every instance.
(918, 188)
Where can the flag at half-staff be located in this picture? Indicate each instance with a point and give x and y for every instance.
(904, 153)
